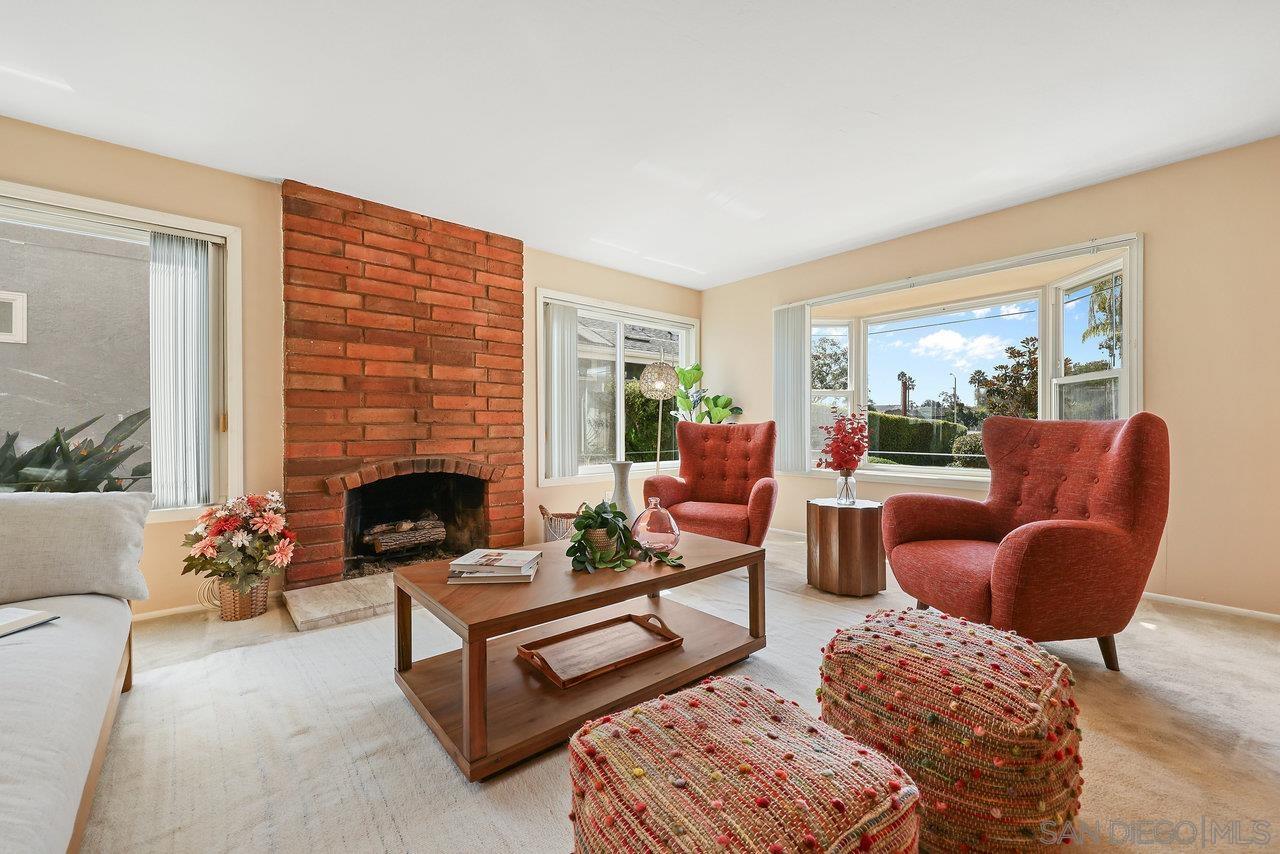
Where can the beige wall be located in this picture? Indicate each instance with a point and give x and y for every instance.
(554, 272)
(1211, 301)
(46, 158)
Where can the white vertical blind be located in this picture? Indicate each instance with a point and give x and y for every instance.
(562, 398)
(181, 393)
(791, 384)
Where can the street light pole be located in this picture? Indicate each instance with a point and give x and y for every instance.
(955, 398)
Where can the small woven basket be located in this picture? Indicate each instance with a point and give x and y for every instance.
(242, 606)
(556, 526)
(600, 541)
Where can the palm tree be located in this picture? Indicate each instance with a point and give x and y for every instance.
(908, 383)
(1104, 316)
(978, 379)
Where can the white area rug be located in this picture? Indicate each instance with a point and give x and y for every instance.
(305, 744)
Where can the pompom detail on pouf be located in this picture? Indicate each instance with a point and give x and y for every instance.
(983, 720)
(729, 765)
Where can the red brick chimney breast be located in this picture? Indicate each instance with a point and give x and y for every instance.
(403, 340)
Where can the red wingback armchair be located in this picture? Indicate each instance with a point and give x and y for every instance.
(726, 487)
(1064, 543)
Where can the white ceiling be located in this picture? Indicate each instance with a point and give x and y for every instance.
(694, 142)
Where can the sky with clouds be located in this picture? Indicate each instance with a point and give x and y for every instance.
(931, 348)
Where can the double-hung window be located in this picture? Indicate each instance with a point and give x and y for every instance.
(111, 374)
(1089, 380)
(592, 409)
(930, 361)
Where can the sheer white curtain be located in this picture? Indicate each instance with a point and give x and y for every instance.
(791, 385)
(561, 400)
(181, 398)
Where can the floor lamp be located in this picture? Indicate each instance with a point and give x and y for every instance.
(659, 382)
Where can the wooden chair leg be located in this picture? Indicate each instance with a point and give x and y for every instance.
(1108, 646)
(921, 606)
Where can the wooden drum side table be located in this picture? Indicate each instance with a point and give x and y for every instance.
(846, 551)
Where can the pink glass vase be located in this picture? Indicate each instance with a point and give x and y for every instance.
(655, 529)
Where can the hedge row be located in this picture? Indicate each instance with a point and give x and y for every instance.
(896, 433)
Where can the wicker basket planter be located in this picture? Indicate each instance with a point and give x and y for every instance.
(601, 541)
(242, 606)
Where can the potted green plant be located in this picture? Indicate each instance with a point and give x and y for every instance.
(602, 539)
(694, 403)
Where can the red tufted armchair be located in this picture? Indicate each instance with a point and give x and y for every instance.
(1064, 543)
(726, 487)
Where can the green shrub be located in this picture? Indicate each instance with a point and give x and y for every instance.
(969, 443)
(57, 465)
(930, 441)
(640, 435)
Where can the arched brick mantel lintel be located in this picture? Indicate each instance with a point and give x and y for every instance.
(412, 465)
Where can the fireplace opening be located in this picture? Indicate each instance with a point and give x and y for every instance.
(412, 517)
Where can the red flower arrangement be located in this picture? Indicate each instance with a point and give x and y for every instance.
(847, 441)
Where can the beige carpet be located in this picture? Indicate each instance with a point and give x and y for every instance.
(256, 738)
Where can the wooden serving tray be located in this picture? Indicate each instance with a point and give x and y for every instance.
(571, 658)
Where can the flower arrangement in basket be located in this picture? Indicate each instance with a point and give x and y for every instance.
(847, 443)
(602, 539)
(241, 544)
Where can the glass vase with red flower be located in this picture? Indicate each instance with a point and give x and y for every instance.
(846, 445)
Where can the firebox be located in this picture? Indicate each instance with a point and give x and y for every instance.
(412, 517)
(396, 512)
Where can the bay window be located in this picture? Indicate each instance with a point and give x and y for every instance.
(930, 358)
(590, 405)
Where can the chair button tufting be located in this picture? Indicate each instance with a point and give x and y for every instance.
(1019, 503)
(1026, 473)
(1053, 510)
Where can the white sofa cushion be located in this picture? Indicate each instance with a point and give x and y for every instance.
(56, 681)
(62, 543)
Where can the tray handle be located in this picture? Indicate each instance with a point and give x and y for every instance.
(656, 619)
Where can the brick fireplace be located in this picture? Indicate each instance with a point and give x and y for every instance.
(403, 359)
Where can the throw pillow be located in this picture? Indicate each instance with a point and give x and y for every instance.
(63, 543)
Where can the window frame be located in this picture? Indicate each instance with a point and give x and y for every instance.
(226, 321)
(621, 314)
(1058, 378)
(18, 300)
(1050, 326)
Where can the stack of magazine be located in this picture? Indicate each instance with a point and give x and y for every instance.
(493, 566)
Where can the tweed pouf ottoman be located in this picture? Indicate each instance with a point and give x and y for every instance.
(983, 720)
(729, 765)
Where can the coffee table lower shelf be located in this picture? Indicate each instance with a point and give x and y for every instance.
(527, 714)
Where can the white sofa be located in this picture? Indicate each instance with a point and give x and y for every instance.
(60, 682)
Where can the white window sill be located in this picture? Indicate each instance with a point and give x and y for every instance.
(975, 482)
(175, 514)
(604, 474)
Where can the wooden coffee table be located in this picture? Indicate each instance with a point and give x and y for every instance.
(490, 710)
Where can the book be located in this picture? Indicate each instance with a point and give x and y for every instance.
(510, 561)
(487, 575)
(16, 619)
